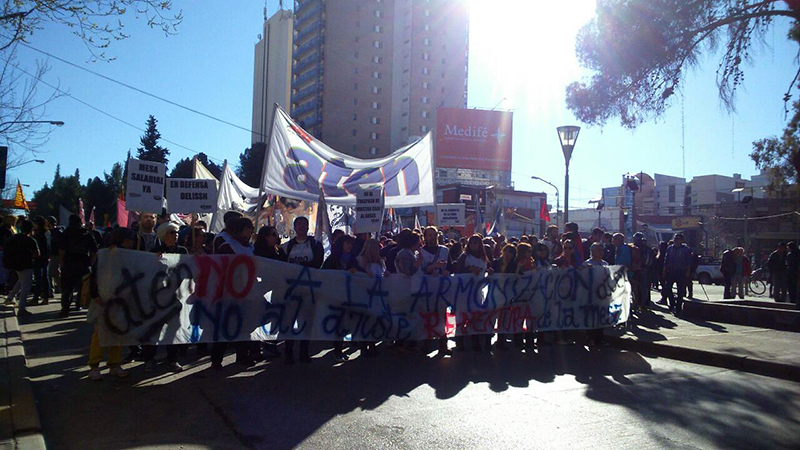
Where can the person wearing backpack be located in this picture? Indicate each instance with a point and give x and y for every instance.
(19, 252)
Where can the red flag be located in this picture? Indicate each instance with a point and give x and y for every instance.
(544, 213)
(81, 212)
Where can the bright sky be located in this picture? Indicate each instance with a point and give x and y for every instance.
(519, 49)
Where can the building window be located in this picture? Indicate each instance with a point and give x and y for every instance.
(378, 13)
(376, 105)
(444, 60)
(427, 13)
(425, 100)
(671, 209)
(377, 29)
(376, 44)
(356, 38)
(424, 85)
(355, 101)
(672, 193)
(355, 86)
(354, 131)
(426, 27)
(442, 173)
(424, 113)
(425, 71)
(376, 74)
(426, 56)
(355, 116)
(403, 129)
(377, 59)
(423, 128)
(355, 55)
(375, 136)
(426, 41)
(376, 90)
(373, 150)
(375, 120)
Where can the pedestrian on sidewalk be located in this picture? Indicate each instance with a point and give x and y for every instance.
(41, 278)
(658, 269)
(737, 281)
(728, 268)
(695, 262)
(646, 261)
(777, 268)
(676, 270)
(19, 253)
(792, 268)
(54, 269)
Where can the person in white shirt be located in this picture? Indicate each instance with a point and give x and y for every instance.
(435, 257)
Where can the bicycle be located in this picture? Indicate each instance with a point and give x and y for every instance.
(758, 282)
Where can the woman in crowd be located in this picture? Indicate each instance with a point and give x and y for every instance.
(524, 258)
(341, 258)
(473, 261)
(541, 256)
(196, 241)
(240, 231)
(567, 257)
(268, 244)
(408, 261)
(370, 261)
(167, 242)
(123, 238)
(505, 263)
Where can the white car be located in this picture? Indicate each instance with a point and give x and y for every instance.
(708, 271)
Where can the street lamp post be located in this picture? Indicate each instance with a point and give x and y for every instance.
(40, 161)
(58, 123)
(554, 187)
(567, 135)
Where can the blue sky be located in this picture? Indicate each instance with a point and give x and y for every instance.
(527, 57)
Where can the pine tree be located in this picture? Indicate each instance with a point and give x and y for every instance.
(150, 150)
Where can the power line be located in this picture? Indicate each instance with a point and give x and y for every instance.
(57, 89)
(141, 91)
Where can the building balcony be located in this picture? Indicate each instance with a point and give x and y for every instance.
(305, 108)
(303, 80)
(305, 63)
(311, 30)
(304, 49)
(304, 93)
(301, 7)
(308, 13)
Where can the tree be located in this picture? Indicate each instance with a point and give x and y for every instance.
(640, 50)
(185, 167)
(95, 22)
(780, 156)
(64, 191)
(150, 150)
(250, 163)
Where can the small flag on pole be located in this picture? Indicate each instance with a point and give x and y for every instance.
(19, 198)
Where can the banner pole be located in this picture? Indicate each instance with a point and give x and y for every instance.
(268, 145)
(219, 192)
(433, 180)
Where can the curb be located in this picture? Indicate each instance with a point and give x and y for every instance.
(725, 360)
(25, 422)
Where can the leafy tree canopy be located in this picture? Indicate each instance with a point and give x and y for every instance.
(250, 163)
(639, 51)
(780, 156)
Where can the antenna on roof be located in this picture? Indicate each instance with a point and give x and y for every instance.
(265, 10)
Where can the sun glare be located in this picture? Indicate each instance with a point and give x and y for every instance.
(525, 49)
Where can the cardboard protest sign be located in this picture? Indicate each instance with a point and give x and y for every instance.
(369, 211)
(189, 195)
(451, 215)
(181, 299)
(145, 186)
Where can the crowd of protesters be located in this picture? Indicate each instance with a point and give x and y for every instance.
(41, 258)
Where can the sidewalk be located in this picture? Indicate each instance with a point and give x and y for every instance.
(19, 419)
(749, 349)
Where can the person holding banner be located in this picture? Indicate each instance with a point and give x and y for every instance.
(303, 250)
(474, 261)
(167, 242)
(224, 235)
(268, 244)
(341, 258)
(435, 260)
(240, 231)
(505, 263)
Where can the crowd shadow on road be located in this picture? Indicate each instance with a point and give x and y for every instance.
(273, 405)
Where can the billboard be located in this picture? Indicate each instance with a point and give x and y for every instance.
(473, 139)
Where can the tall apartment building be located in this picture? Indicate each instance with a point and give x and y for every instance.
(272, 74)
(368, 75)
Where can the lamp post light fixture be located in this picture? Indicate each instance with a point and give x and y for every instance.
(599, 205)
(554, 187)
(567, 135)
(40, 161)
(58, 123)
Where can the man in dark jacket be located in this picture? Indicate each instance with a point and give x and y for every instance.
(76, 250)
(792, 268)
(19, 253)
(728, 268)
(777, 269)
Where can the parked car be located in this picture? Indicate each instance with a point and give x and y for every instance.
(708, 271)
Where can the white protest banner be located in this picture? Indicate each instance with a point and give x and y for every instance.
(451, 215)
(300, 166)
(180, 299)
(369, 211)
(145, 186)
(189, 195)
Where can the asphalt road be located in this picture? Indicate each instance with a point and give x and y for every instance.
(560, 397)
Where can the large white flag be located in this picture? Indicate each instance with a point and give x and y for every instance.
(299, 166)
(233, 195)
(201, 172)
